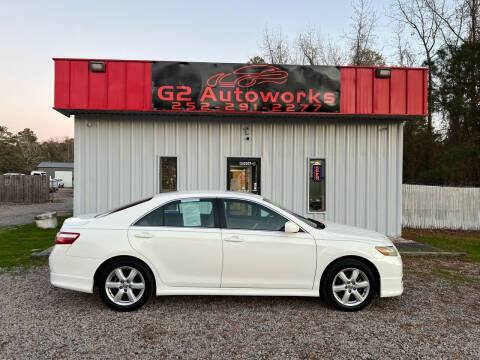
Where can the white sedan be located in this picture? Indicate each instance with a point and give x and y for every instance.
(221, 243)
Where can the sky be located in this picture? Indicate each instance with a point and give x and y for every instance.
(33, 32)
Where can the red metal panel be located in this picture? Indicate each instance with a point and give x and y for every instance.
(381, 95)
(147, 86)
(364, 90)
(347, 90)
(135, 89)
(425, 92)
(415, 85)
(116, 85)
(62, 84)
(398, 92)
(97, 90)
(79, 84)
(126, 85)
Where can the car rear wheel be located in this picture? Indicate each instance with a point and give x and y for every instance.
(349, 285)
(125, 285)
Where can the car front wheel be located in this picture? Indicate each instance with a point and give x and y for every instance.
(349, 285)
(125, 285)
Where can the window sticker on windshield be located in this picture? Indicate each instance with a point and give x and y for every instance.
(191, 214)
(189, 200)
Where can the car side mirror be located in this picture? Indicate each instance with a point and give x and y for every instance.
(291, 227)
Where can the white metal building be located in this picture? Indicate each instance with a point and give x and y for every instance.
(118, 159)
(343, 167)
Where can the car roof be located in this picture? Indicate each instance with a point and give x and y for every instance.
(208, 193)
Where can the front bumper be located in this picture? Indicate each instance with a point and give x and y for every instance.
(71, 272)
(391, 275)
(391, 287)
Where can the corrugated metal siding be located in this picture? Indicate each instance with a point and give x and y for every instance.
(404, 93)
(126, 85)
(116, 161)
(441, 207)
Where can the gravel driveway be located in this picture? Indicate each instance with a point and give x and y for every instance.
(437, 317)
(19, 214)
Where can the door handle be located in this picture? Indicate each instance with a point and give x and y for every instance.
(235, 239)
(144, 235)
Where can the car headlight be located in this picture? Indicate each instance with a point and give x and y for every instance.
(387, 250)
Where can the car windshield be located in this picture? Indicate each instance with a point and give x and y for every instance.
(312, 222)
(123, 207)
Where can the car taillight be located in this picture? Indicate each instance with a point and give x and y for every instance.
(66, 237)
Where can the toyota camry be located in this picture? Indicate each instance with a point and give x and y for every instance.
(221, 243)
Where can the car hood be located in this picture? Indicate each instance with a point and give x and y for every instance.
(335, 231)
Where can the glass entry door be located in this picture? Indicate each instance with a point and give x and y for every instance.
(243, 174)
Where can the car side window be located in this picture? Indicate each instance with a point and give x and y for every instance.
(182, 213)
(241, 214)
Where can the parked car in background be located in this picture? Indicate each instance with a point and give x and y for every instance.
(53, 183)
(61, 184)
(221, 243)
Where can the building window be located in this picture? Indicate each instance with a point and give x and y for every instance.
(168, 174)
(243, 174)
(316, 185)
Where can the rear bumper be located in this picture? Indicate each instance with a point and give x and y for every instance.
(70, 282)
(71, 272)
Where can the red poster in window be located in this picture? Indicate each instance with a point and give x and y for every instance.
(317, 173)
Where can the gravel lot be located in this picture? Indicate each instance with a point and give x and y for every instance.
(437, 317)
(19, 214)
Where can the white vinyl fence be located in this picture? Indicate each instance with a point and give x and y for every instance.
(441, 207)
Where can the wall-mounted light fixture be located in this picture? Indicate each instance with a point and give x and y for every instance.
(246, 131)
(97, 66)
(383, 73)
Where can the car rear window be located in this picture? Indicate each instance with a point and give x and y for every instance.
(123, 207)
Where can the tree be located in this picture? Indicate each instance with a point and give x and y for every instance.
(362, 35)
(275, 47)
(406, 57)
(58, 150)
(458, 71)
(371, 58)
(22, 152)
(415, 140)
(459, 20)
(256, 60)
(10, 160)
(314, 50)
(425, 26)
(29, 149)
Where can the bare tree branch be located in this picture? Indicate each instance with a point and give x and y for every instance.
(314, 50)
(275, 47)
(362, 34)
(452, 18)
(417, 15)
(404, 53)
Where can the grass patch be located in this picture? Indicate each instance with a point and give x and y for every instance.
(16, 244)
(466, 241)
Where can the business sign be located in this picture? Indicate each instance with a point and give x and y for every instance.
(183, 86)
(317, 173)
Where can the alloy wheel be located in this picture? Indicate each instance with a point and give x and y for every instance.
(351, 287)
(125, 285)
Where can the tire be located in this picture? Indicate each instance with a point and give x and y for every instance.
(343, 291)
(125, 284)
